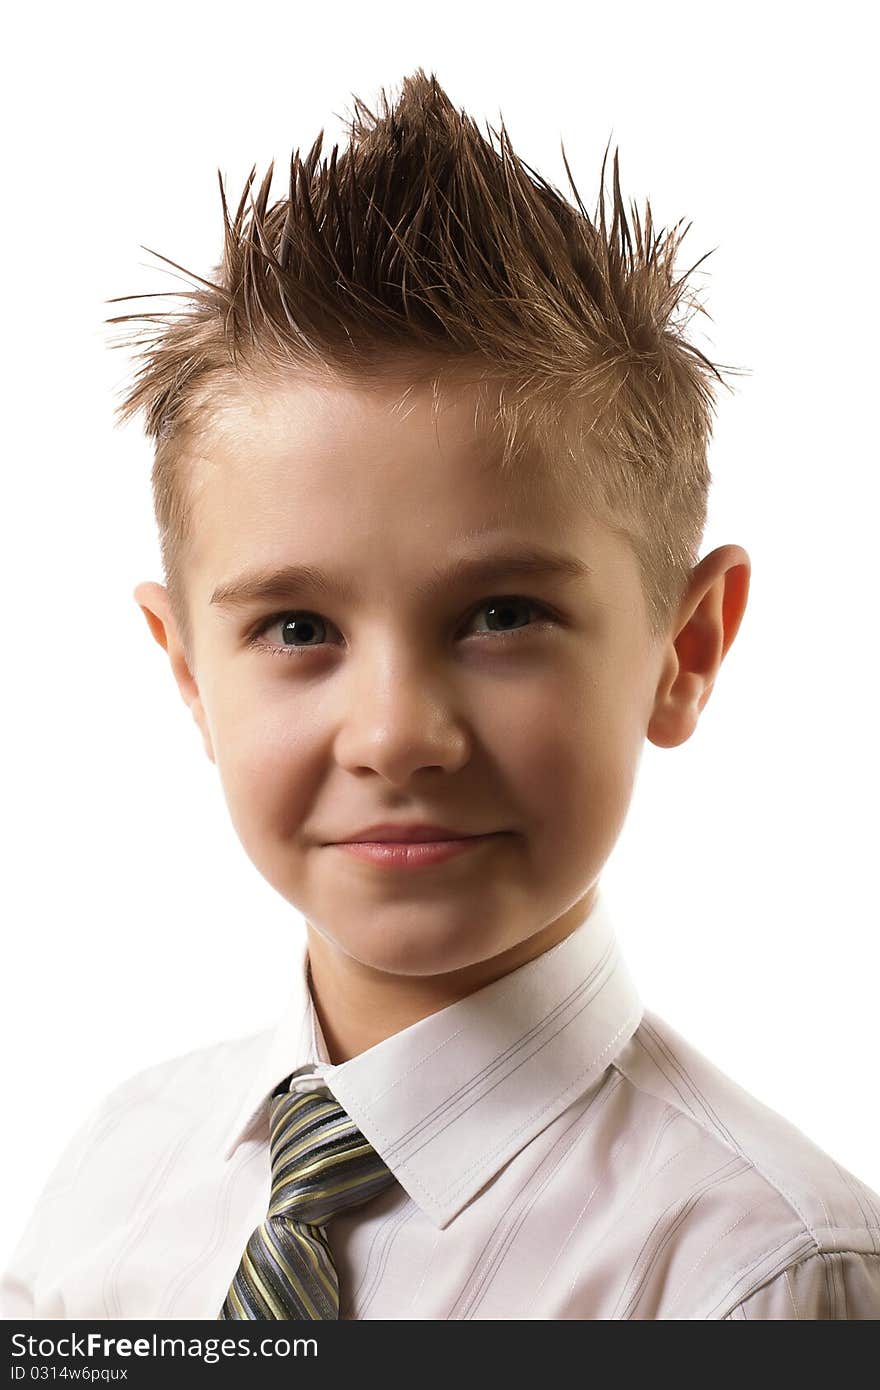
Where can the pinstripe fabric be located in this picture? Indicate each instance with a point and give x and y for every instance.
(559, 1151)
(321, 1165)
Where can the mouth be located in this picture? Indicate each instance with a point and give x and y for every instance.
(414, 854)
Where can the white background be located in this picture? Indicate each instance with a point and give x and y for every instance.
(744, 880)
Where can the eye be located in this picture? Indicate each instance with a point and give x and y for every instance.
(503, 611)
(297, 626)
(302, 629)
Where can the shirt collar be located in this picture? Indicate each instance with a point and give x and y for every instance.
(451, 1099)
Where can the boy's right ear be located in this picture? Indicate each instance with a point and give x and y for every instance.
(153, 601)
(155, 605)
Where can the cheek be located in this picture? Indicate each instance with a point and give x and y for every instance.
(571, 764)
(263, 765)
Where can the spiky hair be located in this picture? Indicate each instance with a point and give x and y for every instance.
(423, 252)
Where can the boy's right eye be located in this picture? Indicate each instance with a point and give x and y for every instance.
(301, 623)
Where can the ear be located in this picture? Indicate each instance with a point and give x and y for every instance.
(155, 604)
(706, 624)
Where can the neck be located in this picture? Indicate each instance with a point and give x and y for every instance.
(359, 1006)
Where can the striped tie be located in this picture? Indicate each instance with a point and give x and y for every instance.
(321, 1164)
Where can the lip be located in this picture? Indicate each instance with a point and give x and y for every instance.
(395, 832)
(413, 854)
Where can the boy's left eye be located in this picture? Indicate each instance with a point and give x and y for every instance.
(502, 610)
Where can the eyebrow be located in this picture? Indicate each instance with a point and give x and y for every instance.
(280, 584)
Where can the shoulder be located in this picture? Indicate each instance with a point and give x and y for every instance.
(198, 1075)
(194, 1083)
(840, 1286)
(150, 1137)
(159, 1107)
(778, 1211)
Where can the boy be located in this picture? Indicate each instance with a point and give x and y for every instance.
(427, 395)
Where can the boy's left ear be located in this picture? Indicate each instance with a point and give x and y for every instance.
(155, 604)
(707, 622)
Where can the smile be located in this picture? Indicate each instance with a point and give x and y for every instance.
(412, 854)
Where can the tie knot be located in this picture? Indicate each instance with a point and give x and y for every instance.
(321, 1163)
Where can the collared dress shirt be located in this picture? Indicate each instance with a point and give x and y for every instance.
(560, 1152)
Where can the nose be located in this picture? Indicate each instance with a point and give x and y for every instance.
(398, 718)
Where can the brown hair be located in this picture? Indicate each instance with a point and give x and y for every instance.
(422, 251)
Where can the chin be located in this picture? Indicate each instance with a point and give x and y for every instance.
(417, 957)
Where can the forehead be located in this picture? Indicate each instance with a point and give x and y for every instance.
(368, 481)
(372, 437)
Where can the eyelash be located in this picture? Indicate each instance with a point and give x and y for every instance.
(267, 623)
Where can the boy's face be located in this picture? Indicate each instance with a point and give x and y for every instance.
(403, 702)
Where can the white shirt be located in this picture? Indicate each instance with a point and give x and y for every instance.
(560, 1152)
